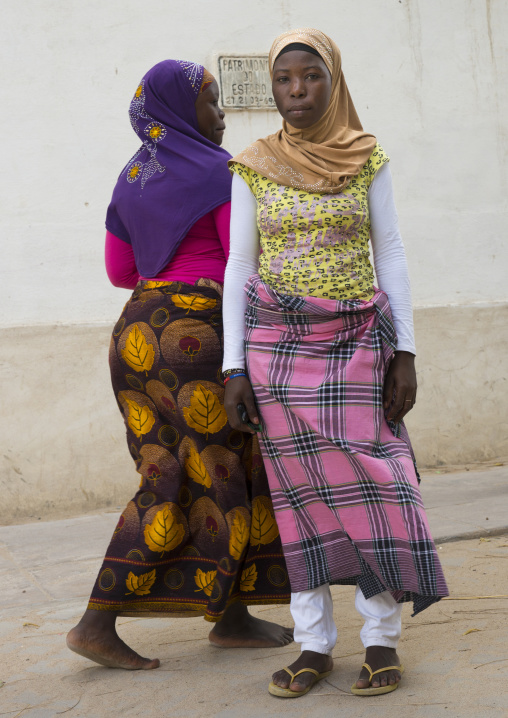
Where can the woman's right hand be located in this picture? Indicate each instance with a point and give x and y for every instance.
(239, 391)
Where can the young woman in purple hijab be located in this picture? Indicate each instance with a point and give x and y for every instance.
(188, 543)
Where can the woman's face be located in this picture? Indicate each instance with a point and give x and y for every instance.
(301, 88)
(210, 116)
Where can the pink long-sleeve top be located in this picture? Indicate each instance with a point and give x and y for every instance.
(202, 253)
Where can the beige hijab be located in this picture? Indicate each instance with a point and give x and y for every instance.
(324, 157)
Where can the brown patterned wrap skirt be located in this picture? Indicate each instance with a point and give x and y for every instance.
(200, 532)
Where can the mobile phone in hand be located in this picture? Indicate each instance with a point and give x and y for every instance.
(244, 417)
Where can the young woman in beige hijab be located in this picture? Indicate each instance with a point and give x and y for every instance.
(323, 363)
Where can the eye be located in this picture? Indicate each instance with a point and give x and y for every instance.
(312, 76)
(282, 78)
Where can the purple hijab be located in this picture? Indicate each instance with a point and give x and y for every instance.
(176, 177)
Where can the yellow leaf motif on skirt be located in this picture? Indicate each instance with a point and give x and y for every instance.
(138, 354)
(164, 533)
(205, 413)
(196, 469)
(249, 577)
(238, 537)
(263, 528)
(140, 585)
(204, 581)
(190, 301)
(141, 419)
(153, 285)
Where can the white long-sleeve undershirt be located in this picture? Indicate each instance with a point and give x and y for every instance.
(389, 263)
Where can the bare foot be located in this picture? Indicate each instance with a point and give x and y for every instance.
(378, 657)
(308, 659)
(95, 637)
(238, 629)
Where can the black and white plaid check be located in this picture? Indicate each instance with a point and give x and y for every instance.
(341, 351)
(305, 444)
(270, 448)
(314, 555)
(326, 494)
(294, 499)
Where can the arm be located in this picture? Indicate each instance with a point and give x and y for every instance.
(120, 262)
(393, 278)
(222, 219)
(242, 263)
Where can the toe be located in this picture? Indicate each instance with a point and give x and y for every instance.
(281, 679)
(363, 679)
(150, 665)
(298, 687)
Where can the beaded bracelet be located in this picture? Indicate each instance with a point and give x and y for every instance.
(233, 376)
(228, 372)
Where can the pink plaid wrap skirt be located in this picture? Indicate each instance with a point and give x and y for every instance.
(343, 479)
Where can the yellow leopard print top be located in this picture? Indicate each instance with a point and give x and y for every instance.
(315, 244)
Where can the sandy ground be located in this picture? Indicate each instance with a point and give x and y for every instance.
(455, 654)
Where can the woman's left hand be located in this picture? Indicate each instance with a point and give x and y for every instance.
(399, 393)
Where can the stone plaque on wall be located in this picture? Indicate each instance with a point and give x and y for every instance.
(245, 82)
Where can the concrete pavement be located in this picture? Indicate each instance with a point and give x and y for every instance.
(455, 652)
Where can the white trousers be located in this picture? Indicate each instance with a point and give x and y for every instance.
(315, 629)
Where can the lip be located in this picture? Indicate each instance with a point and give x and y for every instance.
(297, 113)
(221, 129)
(299, 109)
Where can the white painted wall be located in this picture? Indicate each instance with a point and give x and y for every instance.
(427, 77)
